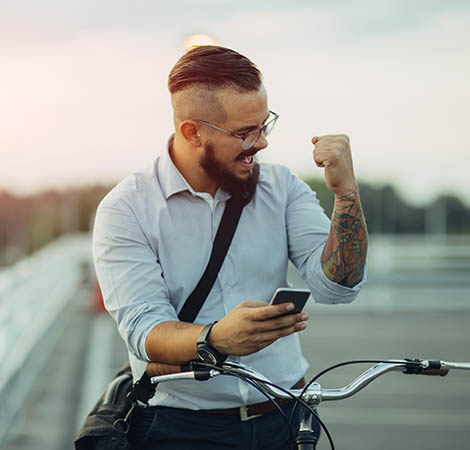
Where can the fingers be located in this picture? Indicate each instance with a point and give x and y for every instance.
(270, 311)
(344, 138)
(298, 321)
(319, 159)
(331, 150)
(261, 340)
(279, 322)
(271, 336)
(331, 142)
(253, 325)
(320, 156)
(252, 304)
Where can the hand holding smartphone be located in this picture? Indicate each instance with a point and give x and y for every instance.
(296, 296)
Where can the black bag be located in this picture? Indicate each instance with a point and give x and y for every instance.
(108, 424)
(105, 427)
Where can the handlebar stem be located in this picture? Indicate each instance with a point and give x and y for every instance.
(305, 414)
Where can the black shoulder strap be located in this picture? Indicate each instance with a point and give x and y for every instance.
(222, 241)
(143, 390)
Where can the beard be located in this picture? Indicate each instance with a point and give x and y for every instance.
(240, 188)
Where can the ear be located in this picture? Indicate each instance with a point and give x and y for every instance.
(189, 129)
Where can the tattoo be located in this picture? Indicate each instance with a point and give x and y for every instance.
(183, 325)
(345, 251)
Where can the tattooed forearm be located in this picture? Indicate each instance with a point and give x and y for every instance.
(183, 325)
(345, 251)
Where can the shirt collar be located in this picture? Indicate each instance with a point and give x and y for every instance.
(171, 179)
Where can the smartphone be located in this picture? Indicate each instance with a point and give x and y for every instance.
(296, 296)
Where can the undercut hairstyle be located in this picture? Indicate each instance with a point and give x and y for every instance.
(214, 67)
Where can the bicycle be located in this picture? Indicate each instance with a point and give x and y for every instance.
(312, 395)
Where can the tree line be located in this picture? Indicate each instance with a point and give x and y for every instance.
(29, 222)
(387, 212)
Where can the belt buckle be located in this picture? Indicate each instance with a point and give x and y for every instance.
(244, 414)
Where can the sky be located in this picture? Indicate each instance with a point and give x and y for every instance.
(83, 96)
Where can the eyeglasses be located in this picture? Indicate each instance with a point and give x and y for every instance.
(249, 139)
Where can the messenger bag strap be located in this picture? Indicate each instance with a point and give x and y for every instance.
(222, 241)
(143, 390)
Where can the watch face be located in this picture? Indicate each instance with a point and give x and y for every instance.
(206, 355)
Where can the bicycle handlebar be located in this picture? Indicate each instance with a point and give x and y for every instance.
(202, 371)
(312, 394)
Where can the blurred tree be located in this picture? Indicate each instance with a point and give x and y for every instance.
(456, 216)
(14, 217)
(44, 220)
(88, 200)
(388, 212)
(29, 222)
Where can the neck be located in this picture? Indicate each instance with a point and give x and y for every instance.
(186, 160)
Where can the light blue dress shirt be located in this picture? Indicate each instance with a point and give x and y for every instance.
(152, 240)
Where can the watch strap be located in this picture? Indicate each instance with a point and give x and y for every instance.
(203, 335)
(203, 344)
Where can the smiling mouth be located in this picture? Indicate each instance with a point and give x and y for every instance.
(248, 160)
(246, 157)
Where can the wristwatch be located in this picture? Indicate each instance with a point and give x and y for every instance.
(205, 351)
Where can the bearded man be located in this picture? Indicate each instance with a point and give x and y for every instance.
(153, 237)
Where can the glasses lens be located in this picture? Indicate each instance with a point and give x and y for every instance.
(251, 139)
(270, 125)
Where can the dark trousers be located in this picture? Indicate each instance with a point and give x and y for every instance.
(177, 429)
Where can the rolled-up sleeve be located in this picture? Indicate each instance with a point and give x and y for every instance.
(129, 274)
(307, 230)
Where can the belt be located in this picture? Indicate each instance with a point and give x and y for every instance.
(251, 411)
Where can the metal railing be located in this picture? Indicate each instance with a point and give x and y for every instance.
(33, 294)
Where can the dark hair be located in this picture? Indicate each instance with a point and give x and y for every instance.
(215, 67)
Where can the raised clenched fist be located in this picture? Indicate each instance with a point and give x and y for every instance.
(333, 153)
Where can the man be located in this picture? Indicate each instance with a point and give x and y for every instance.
(153, 237)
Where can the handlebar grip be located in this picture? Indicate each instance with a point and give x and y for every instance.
(441, 372)
(434, 368)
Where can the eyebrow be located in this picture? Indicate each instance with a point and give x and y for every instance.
(248, 128)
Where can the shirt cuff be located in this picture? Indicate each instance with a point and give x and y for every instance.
(141, 327)
(330, 292)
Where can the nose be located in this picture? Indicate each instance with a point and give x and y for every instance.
(261, 142)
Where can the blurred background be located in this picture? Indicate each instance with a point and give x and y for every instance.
(84, 102)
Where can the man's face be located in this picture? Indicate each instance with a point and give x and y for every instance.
(224, 160)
